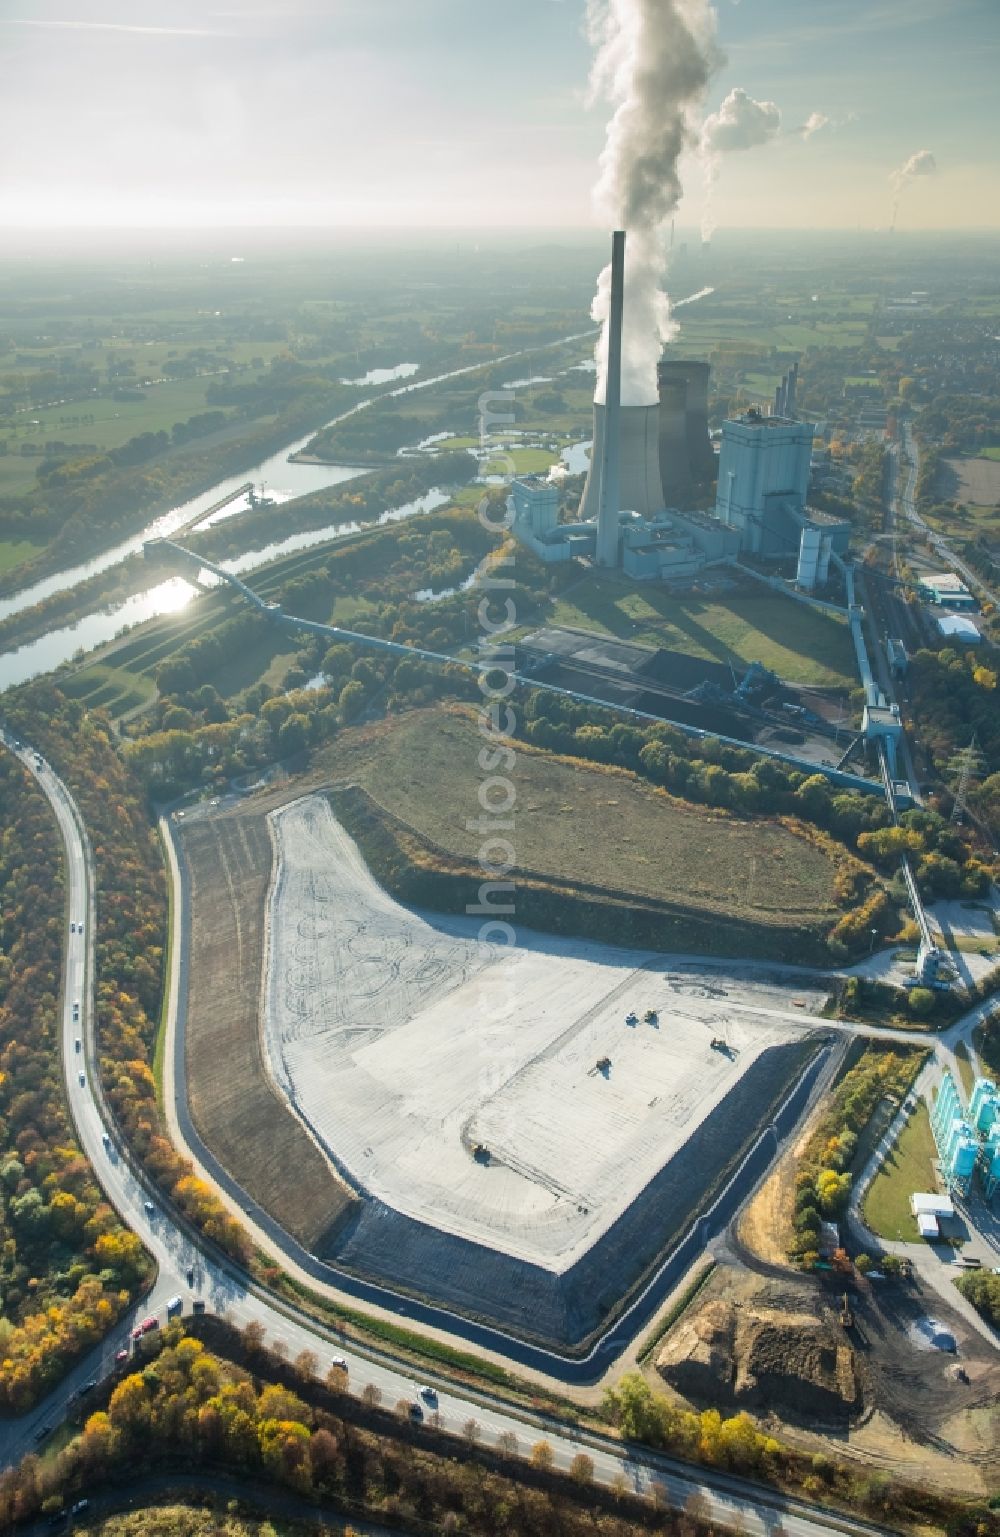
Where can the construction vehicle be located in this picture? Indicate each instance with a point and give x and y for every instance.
(846, 1316)
(719, 1043)
(631, 1018)
(651, 1017)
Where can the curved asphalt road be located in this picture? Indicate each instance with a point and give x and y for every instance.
(725, 1500)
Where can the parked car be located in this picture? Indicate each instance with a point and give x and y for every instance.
(416, 1412)
(83, 1080)
(78, 1044)
(175, 1306)
(150, 1209)
(339, 1363)
(148, 1325)
(121, 1357)
(198, 1305)
(429, 1395)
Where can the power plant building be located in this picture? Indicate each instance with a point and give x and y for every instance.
(649, 462)
(764, 466)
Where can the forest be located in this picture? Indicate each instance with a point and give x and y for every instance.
(185, 1407)
(130, 938)
(67, 1266)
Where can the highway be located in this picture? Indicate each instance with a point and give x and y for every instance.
(722, 1498)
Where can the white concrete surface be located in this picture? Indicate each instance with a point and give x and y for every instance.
(404, 1043)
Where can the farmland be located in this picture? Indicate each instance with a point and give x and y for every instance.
(974, 483)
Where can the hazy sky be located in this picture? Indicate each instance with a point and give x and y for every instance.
(472, 112)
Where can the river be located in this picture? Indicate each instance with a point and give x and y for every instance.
(283, 478)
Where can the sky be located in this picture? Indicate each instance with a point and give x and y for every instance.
(475, 113)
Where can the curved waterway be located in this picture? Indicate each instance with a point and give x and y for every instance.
(282, 476)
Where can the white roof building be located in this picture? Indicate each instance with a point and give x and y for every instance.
(958, 627)
(948, 589)
(930, 1204)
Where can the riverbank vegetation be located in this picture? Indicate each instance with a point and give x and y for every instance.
(67, 1266)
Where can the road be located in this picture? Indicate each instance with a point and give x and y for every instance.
(725, 1500)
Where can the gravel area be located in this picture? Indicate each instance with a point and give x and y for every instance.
(407, 1045)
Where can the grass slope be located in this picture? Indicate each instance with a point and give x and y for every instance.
(799, 643)
(594, 827)
(909, 1167)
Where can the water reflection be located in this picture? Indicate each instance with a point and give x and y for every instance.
(385, 375)
(169, 596)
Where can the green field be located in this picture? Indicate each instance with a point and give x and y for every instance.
(989, 453)
(521, 461)
(14, 551)
(909, 1167)
(797, 642)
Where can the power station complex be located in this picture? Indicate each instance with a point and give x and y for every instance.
(651, 465)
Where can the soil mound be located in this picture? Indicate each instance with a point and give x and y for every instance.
(794, 1362)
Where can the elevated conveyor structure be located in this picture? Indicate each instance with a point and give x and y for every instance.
(496, 660)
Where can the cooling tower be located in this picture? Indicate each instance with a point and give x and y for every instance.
(684, 421)
(675, 471)
(639, 485)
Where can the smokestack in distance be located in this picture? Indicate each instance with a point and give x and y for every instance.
(608, 507)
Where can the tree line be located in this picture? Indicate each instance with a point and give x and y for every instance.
(68, 1267)
(129, 939)
(824, 1175)
(185, 1406)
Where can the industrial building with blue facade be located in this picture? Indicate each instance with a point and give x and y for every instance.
(968, 1140)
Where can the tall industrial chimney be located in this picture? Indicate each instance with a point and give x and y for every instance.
(624, 470)
(609, 505)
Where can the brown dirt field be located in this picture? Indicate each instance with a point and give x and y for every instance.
(775, 1346)
(973, 481)
(237, 1112)
(766, 1223)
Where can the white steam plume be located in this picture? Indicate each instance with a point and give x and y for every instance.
(814, 123)
(653, 60)
(740, 123)
(920, 164)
